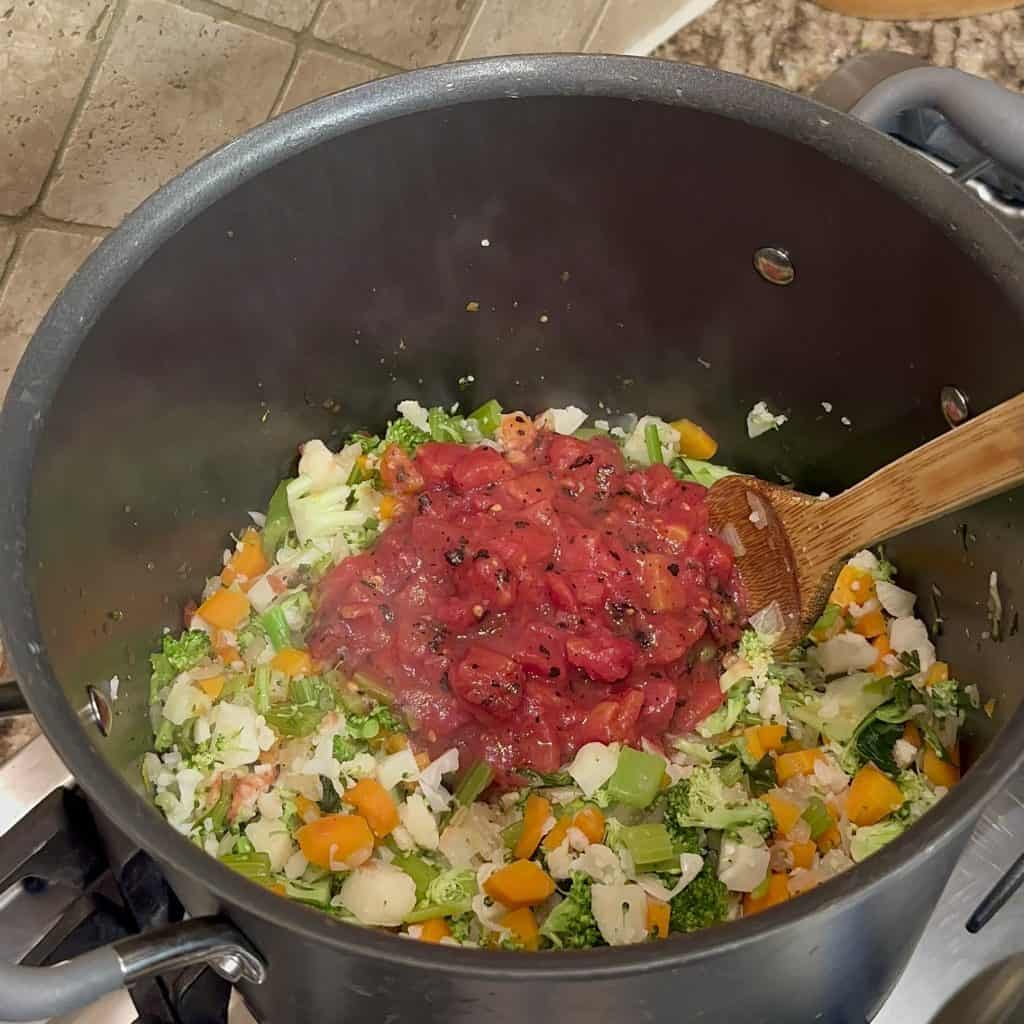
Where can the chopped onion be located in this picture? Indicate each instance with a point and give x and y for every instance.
(258, 518)
(768, 621)
(758, 511)
(731, 537)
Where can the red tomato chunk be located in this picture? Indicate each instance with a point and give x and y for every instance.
(519, 607)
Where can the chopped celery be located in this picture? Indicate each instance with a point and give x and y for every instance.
(164, 739)
(254, 866)
(653, 441)
(510, 836)
(372, 688)
(637, 778)
(474, 782)
(276, 625)
(432, 910)
(647, 844)
(318, 893)
(420, 871)
(816, 815)
(487, 417)
(444, 427)
(279, 521)
(261, 689)
(294, 719)
(243, 844)
(218, 814)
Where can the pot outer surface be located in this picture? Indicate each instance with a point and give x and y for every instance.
(330, 279)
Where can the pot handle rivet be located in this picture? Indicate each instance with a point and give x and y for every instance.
(953, 403)
(775, 265)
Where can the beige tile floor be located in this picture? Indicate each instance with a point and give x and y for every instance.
(101, 101)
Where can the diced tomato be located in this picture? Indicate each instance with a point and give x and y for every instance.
(602, 655)
(436, 460)
(699, 695)
(613, 720)
(398, 472)
(542, 651)
(658, 708)
(566, 453)
(489, 680)
(480, 467)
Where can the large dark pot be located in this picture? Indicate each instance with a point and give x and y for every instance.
(329, 256)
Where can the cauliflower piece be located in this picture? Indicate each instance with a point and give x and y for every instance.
(416, 817)
(760, 420)
(909, 634)
(635, 448)
(415, 414)
(239, 734)
(270, 836)
(742, 868)
(593, 765)
(904, 753)
(430, 779)
(185, 701)
(379, 894)
(847, 652)
(621, 912)
(562, 421)
(895, 600)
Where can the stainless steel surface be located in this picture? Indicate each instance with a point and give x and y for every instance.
(947, 959)
(99, 710)
(201, 940)
(774, 265)
(954, 406)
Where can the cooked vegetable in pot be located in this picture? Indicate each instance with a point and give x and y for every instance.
(489, 681)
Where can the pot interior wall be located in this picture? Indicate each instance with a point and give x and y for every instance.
(618, 276)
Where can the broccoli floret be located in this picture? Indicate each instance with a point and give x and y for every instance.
(704, 801)
(380, 719)
(178, 654)
(453, 890)
(571, 924)
(870, 839)
(406, 435)
(704, 902)
(946, 699)
(918, 797)
(728, 714)
(685, 838)
(461, 928)
(320, 514)
(756, 651)
(444, 427)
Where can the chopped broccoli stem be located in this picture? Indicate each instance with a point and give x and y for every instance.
(475, 781)
(279, 521)
(653, 441)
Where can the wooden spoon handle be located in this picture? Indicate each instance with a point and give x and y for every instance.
(984, 456)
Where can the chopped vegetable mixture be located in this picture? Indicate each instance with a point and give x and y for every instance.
(488, 680)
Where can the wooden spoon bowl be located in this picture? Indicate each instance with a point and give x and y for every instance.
(791, 545)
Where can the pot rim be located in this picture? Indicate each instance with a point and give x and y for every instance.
(111, 266)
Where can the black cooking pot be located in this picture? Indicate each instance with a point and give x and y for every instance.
(300, 281)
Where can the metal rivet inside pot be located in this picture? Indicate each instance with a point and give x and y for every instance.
(774, 265)
(954, 406)
(98, 710)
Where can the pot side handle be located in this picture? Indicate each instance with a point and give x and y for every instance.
(988, 116)
(38, 993)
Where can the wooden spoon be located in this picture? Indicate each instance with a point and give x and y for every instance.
(793, 544)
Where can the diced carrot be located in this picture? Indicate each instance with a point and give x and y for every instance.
(227, 653)
(883, 647)
(292, 662)
(344, 838)
(870, 625)
(535, 815)
(800, 762)
(803, 854)
(954, 754)
(939, 772)
(666, 781)
(389, 507)
(694, 440)
(657, 918)
(590, 821)
(307, 810)
(556, 836)
(395, 742)
(225, 609)
(523, 883)
(777, 892)
(523, 925)
(211, 686)
(938, 673)
(434, 930)
(762, 738)
(374, 803)
(912, 734)
(277, 888)
(872, 796)
(248, 560)
(785, 812)
(853, 586)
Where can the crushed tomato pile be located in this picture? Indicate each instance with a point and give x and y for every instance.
(526, 602)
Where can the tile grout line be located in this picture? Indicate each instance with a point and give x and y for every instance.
(589, 37)
(299, 49)
(116, 17)
(226, 15)
(460, 44)
(38, 219)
